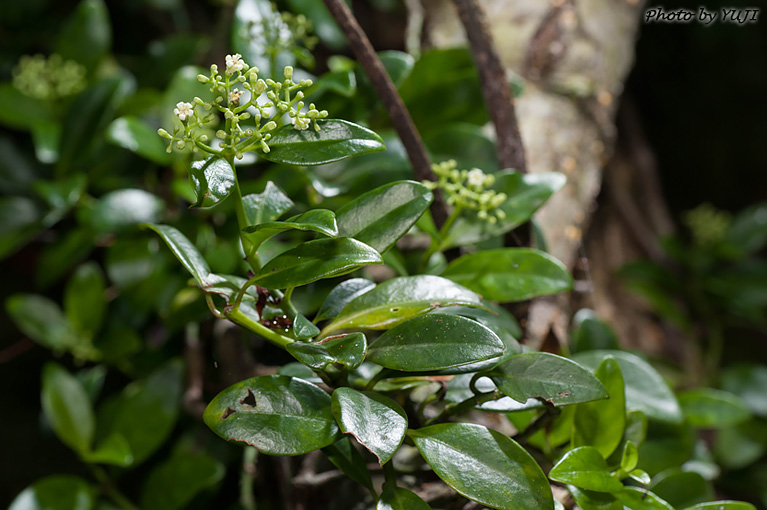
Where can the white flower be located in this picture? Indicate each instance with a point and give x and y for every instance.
(300, 123)
(475, 178)
(235, 63)
(234, 96)
(183, 110)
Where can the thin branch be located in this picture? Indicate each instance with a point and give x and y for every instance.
(495, 87)
(395, 108)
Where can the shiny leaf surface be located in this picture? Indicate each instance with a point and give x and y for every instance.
(266, 206)
(600, 424)
(212, 180)
(137, 136)
(84, 301)
(341, 295)
(322, 221)
(348, 350)
(397, 498)
(67, 407)
(584, 467)
(122, 210)
(58, 492)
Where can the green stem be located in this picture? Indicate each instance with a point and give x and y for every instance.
(390, 474)
(109, 489)
(461, 407)
(438, 246)
(247, 497)
(256, 327)
(242, 220)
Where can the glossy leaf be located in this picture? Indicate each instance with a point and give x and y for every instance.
(46, 136)
(173, 484)
(589, 333)
(122, 210)
(585, 467)
(346, 458)
(397, 498)
(146, 411)
(646, 390)
(67, 407)
(400, 299)
(600, 424)
(348, 350)
(510, 274)
(266, 206)
(590, 500)
(484, 465)
(748, 382)
(710, 408)
(681, 489)
(381, 216)
(20, 221)
(341, 295)
(113, 450)
(558, 380)
(212, 180)
(722, 505)
(137, 136)
(185, 252)
(467, 144)
(278, 415)
(336, 140)
(376, 422)
(526, 193)
(458, 390)
(303, 328)
(86, 36)
(635, 498)
(434, 342)
(629, 457)
(60, 195)
(42, 320)
(398, 65)
(314, 260)
(23, 112)
(84, 300)
(57, 492)
(322, 221)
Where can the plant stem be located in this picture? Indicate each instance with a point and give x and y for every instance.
(109, 489)
(460, 407)
(238, 317)
(438, 246)
(247, 476)
(242, 220)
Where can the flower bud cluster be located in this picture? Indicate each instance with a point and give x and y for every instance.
(281, 32)
(708, 225)
(469, 189)
(251, 107)
(48, 78)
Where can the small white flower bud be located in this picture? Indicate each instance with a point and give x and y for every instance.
(288, 72)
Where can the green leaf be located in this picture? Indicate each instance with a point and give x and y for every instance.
(381, 216)
(186, 253)
(113, 450)
(467, 144)
(67, 408)
(341, 295)
(590, 500)
(278, 415)
(266, 206)
(137, 136)
(635, 498)
(46, 136)
(434, 342)
(212, 180)
(397, 498)
(122, 210)
(630, 457)
(57, 258)
(376, 422)
(342, 82)
(348, 350)
(398, 65)
(19, 223)
(585, 467)
(173, 484)
(336, 140)
(495, 317)
(722, 505)
(60, 195)
(84, 301)
(646, 390)
(23, 112)
(600, 424)
(666, 446)
(640, 476)
(313, 260)
(510, 274)
(400, 299)
(748, 382)
(303, 328)
(146, 411)
(709, 408)
(484, 465)
(322, 221)
(458, 390)
(589, 333)
(42, 320)
(57, 492)
(526, 194)
(346, 458)
(555, 379)
(87, 34)
(748, 230)
(681, 489)
(737, 447)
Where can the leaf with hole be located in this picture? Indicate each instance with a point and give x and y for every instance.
(348, 350)
(383, 215)
(484, 465)
(558, 380)
(279, 415)
(400, 299)
(585, 467)
(336, 140)
(376, 422)
(314, 260)
(510, 274)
